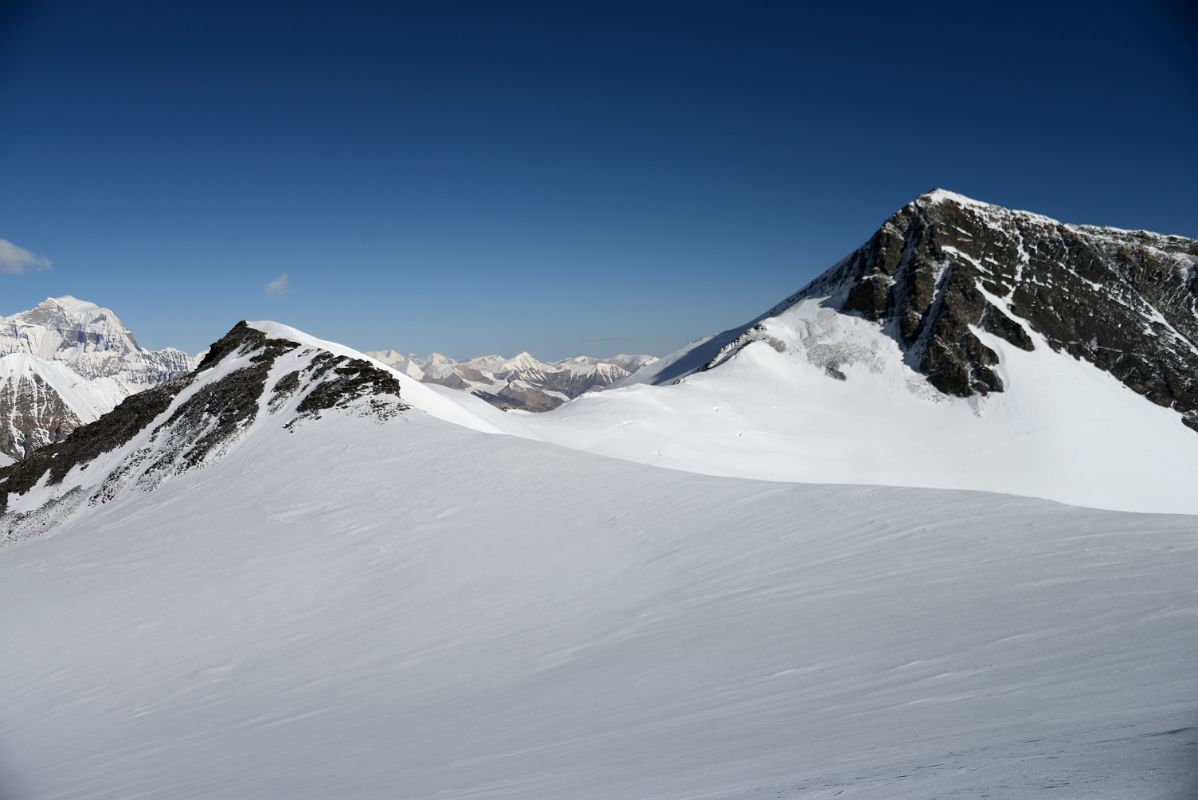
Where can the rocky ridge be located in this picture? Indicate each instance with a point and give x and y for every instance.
(189, 422)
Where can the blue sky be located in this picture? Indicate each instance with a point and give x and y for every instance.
(560, 177)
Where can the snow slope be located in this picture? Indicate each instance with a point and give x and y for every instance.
(351, 610)
(357, 604)
(780, 416)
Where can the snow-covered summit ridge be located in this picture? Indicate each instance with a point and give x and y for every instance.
(73, 305)
(944, 195)
(434, 400)
(938, 196)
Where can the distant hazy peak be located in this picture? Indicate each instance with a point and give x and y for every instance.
(523, 382)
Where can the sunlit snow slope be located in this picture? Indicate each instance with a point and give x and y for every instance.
(350, 604)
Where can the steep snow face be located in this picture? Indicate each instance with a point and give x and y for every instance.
(522, 382)
(350, 608)
(66, 362)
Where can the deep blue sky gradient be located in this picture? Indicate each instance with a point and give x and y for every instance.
(560, 177)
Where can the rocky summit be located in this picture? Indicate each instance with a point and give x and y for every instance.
(945, 266)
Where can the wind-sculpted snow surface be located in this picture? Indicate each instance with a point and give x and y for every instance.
(352, 609)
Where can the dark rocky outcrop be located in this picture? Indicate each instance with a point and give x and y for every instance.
(1124, 301)
(223, 408)
(339, 381)
(86, 443)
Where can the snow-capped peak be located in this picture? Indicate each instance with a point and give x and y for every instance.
(523, 361)
(944, 195)
(59, 325)
(87, 343)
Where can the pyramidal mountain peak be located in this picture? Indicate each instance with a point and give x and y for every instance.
(946, 276)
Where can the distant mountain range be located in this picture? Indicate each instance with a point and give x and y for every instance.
(65, 363)
(522, 382)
